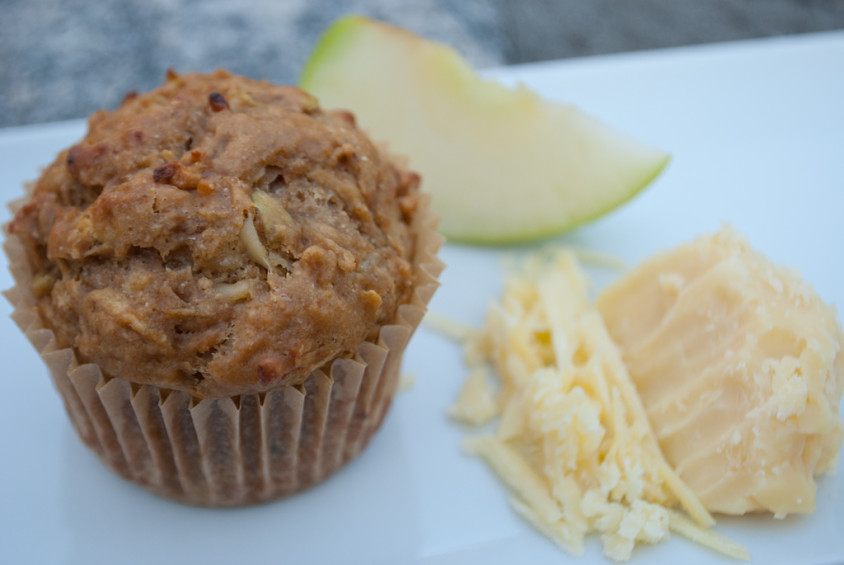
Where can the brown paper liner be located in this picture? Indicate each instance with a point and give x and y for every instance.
(241, 450)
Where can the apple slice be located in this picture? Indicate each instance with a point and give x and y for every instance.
(503, 165)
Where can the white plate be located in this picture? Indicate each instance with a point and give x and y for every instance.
(757, 134)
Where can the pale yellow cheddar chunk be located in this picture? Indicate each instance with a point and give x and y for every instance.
(739, 365)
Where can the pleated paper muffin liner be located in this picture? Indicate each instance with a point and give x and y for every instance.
(240, 450)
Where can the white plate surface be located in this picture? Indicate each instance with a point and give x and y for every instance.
(756, 130)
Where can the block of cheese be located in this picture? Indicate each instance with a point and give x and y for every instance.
(739, 365)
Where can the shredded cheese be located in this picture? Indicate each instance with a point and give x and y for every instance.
(406, 382)
(573, 443)
(447, 327)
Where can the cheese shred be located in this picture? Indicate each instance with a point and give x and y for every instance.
(573, 443)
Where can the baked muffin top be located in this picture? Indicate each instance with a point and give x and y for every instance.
(219, 235)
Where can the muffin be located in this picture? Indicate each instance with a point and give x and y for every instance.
(222, 278)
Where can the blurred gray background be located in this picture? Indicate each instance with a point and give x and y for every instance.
(62, 59)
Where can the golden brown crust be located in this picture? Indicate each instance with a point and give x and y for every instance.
(219, 236)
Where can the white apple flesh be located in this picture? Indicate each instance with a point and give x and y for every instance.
(503, 165)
